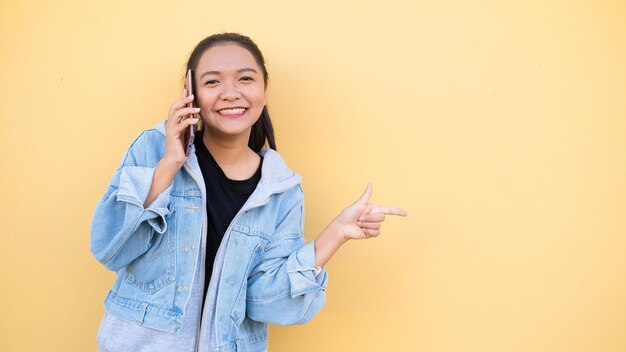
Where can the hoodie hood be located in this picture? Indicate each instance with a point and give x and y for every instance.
(276, 176)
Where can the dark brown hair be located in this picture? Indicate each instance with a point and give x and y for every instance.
(262, 130)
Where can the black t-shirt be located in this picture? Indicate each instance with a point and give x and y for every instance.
(224, 199)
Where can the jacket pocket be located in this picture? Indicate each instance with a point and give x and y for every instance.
(253, 246)
(156, 268)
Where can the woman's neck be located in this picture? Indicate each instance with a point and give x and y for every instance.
(234, 156)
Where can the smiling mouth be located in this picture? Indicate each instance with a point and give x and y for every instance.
(232, 112)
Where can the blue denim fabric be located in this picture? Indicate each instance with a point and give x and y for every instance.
(263, 273)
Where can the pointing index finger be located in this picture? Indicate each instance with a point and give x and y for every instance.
(389, 210)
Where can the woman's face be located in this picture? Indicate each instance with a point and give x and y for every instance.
(229, 90)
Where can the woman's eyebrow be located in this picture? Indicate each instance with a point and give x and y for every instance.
(218, 72)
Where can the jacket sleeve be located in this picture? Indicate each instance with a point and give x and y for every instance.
(284, 287)
(122, 229)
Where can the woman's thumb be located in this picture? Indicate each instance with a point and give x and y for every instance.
(366, 195)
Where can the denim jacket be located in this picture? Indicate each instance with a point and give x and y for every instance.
(263, 272)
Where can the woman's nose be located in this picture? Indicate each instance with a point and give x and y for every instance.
(230, 92)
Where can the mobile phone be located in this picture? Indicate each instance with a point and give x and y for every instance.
(190, 133)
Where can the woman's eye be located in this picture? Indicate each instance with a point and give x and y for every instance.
(213, 81)
(247, 78)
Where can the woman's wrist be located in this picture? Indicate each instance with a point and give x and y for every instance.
(164, 174)
(171, 163)
(328, 242)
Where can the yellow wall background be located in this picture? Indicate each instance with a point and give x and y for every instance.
(499, 126)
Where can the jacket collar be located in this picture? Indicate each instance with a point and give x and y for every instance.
(276, 177)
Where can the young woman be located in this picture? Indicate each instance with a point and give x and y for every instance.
(209, 248)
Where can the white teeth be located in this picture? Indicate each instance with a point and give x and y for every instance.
(232, 111)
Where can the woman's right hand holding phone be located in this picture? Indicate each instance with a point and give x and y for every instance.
(174, 157)
(177, 124)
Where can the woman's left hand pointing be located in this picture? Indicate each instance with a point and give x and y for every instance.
(362, 219)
